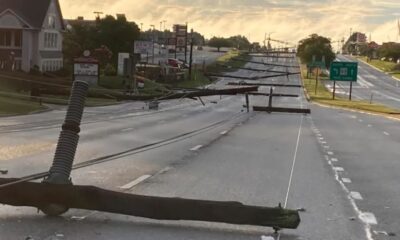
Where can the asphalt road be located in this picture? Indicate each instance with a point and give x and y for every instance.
(320, 164)
(372, 84)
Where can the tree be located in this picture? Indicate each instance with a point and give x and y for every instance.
(390, 50)
(317, 46)
(239, 42)
(115, 34)
(219, 43)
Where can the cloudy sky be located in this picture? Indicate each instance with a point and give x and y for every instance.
(289, 20)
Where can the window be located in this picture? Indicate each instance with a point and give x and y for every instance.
(18, 38)
(5, 38)
(50, 40)
(8, 38)
(51, 22)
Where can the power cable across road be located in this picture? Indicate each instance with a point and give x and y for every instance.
(131, 151)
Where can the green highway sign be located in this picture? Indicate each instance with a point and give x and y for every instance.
(315, 64)
(344, 71)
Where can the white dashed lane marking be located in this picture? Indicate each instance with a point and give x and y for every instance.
(346, 180)
(196, 148)
(368, 218)
(223, 132)
(386, 133)
(356, 195)
(330, 153)
(338, 169)
(334, 159)
(135, 182)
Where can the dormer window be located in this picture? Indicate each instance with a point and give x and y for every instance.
(51, 22)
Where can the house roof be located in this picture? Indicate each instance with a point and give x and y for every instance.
(32, 11)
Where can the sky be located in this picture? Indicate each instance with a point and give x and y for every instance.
(288, 20)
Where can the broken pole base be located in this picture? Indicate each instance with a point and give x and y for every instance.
(161, 208)
(279, 109)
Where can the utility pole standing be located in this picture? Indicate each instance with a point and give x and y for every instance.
(191, 55)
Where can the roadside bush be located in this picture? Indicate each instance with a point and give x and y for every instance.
(35, 71)
(396, 67)
(110, 70)
(63, 72)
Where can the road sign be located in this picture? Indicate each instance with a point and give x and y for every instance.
(344, 71)
(317, 64)
(143, 47)
(86, 69)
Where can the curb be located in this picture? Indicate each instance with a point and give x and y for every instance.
(385, 115)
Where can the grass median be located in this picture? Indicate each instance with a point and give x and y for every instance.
(324, 96)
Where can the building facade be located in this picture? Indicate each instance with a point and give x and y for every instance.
(31, 35)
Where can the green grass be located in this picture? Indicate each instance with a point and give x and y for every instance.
(198, 80)
(14, 106)
(325, 97)
(117, 82)
(382, 65)
(397, 75)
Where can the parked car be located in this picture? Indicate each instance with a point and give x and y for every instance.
(177, 63)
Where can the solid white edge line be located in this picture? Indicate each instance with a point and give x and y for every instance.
(135, 182)
(196, 148)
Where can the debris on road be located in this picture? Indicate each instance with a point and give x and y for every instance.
(37, 195)
(301, 210)
(3, 171)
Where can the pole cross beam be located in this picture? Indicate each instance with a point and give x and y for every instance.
(263, 63)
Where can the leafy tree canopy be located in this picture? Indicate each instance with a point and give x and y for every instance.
(317, 46)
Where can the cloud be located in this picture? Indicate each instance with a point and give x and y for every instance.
(289, 20)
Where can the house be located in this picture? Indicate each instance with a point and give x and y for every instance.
(31, 35)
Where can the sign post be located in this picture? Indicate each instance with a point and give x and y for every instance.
(344, 71)
(318, 65)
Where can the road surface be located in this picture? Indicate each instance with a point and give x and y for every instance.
(339, 168)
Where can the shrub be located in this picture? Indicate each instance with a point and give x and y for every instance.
(110, 70)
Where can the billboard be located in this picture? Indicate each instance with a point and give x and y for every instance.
(143, 47)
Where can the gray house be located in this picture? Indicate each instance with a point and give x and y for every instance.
(31, 35)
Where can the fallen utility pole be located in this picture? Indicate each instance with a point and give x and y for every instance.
(273, 94)
(270, 56)
(264, 84)
(247, 78)
(280, 109)
(259, 70)
(56, 194)
(39, 195)
(193, 94)
(263, 63)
